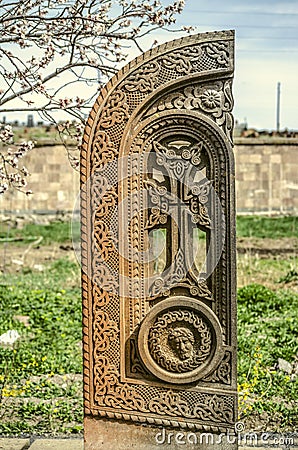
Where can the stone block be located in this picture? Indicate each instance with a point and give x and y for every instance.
(42, 196)
(265, 159)
(14, 444)
(289, 155)
(241, 158)
(37, 178)
(53, 177)
(249, 176)
(108, 435)
(61, 196)
(249, 203)
(255, 158)
(57, 444)
(267, 150)
(275, 159)
(265, 167)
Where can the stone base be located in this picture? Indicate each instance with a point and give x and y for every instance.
(113, 435)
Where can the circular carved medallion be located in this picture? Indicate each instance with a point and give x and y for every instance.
(180, 340)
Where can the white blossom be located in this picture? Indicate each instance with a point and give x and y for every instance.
(11, 176)
(45, 42)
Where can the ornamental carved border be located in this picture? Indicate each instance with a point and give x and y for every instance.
(182, 85)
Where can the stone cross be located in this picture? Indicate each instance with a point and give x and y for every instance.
(160, 329)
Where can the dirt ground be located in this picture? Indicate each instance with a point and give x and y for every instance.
(268, 247)
(15, 257)
(263, 261)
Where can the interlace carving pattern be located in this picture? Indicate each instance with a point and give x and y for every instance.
(104, 391)
(117, 112)
(223, 373)
(103, 152)
(121, 396)
(176, 275)
(217, 51)
(182, 62)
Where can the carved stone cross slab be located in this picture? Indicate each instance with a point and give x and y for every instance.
(158, 251)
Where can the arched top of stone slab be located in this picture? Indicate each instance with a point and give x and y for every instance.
(202, 56)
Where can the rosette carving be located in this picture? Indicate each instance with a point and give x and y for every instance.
(215, 100)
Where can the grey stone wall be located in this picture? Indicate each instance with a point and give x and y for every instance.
(267, 175)
(266, 179)
(55, 185)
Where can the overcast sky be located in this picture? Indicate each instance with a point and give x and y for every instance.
(266, 53)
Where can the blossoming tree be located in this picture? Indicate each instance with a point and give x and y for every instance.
(53, 53)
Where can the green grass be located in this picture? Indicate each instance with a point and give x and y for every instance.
(50, 346)
(54, 313)
(267, 227)
(247, 226)
(53, 232)
(39, 381)
(35, 134)
(44, 134)
(267, 330)
(273, 273)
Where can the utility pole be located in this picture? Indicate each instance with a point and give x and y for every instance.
(278, 108)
